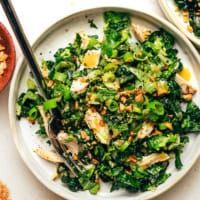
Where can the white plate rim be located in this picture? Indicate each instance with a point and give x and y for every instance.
(171, 17)
(19, 69)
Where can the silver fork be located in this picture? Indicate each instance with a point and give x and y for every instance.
(55, 122)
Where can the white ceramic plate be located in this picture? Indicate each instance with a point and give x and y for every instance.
(169, 9)
(58, 35)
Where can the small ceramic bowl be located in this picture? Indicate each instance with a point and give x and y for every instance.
(7, 42)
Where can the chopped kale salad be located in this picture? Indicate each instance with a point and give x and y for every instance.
(191, 14)
(126, 111)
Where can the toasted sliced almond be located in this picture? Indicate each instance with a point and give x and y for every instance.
(2, 47)
(48, 155)
(132, 159)
(84, 135)
(187, 97)
(122, 107)
(3, 66)
(168, 125)
(50, 83)
(139, 98)
(127, 93)
(153, 158)
(3, 56)
(156, 132)
(162, 88)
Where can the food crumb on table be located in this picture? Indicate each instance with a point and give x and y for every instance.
(4, 193)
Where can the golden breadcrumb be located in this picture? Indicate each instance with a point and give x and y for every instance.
(4, 193)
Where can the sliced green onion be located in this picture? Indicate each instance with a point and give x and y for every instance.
(108, 77)
(112, 105)
(18, 109)
(64, 64)
(29, 95)
(128, 57)
(110, 67)
(50, 104)
(92, 42)
(162, 126)
(33, 113)
(31, 84)
(122, 145)
(60, 76)
(66, 93)
(156, 107)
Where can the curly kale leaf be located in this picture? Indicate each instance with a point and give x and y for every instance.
(191, 121)
(167, 40)
(163, 142)
(116, 32)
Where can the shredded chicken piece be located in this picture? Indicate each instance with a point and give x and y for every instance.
(95, 122)
(187, 90)
(54, 175)
(140, 32)
(84, 40)
(48, 155)
(79, 85)
(44, 70)
(146, 130)
(153, 158)
(72, 146)
(45, 118)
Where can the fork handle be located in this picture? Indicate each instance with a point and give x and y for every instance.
(24, 44)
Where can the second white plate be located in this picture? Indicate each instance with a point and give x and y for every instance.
(170, 10)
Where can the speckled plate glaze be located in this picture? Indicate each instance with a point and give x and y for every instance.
(58, 35)
(169, 9)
